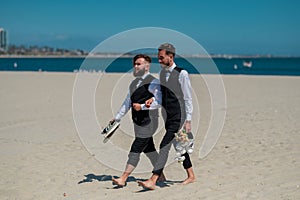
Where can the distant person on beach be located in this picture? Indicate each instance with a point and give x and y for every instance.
(145, 118)
(177, 113)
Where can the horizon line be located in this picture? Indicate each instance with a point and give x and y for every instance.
(119, 55)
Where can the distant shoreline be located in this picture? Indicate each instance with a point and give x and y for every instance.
(130, 56)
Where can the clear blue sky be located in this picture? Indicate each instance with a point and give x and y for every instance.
(231, 26)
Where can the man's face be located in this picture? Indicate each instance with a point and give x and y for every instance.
(164, 59)
(140, 67)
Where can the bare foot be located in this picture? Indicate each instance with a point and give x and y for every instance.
(149, 184)
(118, 181)
(161, 178)
(189, 180)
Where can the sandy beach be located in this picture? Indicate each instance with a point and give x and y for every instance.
(43, 156)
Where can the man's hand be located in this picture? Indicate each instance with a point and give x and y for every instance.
(148, 102)
(188, 126)
(136, 106)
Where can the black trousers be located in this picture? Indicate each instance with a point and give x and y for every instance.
(143, 142)
(145, 145)
(172, 126)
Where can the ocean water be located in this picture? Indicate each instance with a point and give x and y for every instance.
(259, 66)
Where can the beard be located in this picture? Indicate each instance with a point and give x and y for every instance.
(165, 65)
(139, 73)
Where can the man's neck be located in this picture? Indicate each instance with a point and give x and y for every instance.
(144, 76)
(171, 67)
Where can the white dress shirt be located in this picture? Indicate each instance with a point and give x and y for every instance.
(154, 88)
(186, 88)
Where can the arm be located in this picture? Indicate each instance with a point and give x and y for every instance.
(154, 102)
(187, 96)
(124, 108)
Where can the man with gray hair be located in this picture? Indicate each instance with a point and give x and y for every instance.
(177, 103)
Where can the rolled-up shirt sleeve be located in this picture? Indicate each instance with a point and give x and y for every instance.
(154, 88)
(187, 93)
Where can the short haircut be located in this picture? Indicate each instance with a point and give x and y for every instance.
(170, 49)
(147, 58)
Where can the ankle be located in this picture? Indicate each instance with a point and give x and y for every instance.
(154, 178)
(191, 177)
(190, 173)
(125, 176)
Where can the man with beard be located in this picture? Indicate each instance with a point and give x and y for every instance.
(177, 103)
(145, 118)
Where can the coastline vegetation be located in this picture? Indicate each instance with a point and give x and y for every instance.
(46, 51)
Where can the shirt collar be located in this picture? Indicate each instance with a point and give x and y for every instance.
(170, 69)
(144, 76)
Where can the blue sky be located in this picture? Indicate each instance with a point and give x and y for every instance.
(226, 27)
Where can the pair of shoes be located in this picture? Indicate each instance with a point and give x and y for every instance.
(109, 130)
(110, 127)
(179, 158)
(190, 147)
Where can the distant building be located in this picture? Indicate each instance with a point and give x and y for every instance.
(3, 39)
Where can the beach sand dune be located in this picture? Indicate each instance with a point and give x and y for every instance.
(43, 156)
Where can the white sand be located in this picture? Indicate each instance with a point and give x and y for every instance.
(42, 156)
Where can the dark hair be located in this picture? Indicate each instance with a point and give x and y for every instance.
(147, 58)
(170, 49)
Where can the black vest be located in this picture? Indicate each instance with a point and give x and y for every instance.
(172, 96)
(140, 95)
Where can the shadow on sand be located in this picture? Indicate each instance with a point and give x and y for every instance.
(92, 177)
(162, 184)
(101, 178)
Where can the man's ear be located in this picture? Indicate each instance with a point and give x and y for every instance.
(148, 67)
